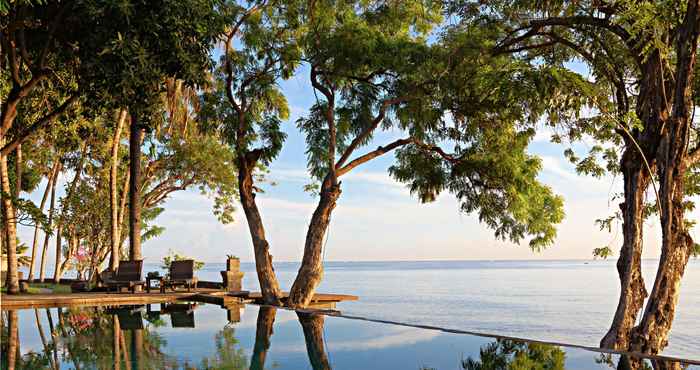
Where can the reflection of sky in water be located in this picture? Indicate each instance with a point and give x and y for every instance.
(349, 344)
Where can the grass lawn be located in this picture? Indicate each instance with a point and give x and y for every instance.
(55, 288)
(40, 288)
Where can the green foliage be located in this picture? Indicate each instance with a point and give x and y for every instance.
(130, 47)
(467, 117)
(21, 249)
(495, 178)
(614, 41)
(603, 252)
(181, 155)
(607, 223)
(505, 354)
(245, 105)
(174, 256)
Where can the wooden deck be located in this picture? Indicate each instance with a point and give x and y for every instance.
(90, 299)
(14, 302)
(318, 297)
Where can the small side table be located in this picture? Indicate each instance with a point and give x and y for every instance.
(151, 278)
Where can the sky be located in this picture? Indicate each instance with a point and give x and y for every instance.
(377, 218)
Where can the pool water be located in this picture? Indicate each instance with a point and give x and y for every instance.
(202, 336)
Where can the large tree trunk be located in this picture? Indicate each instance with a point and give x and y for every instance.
(311, 269)
(637, 161)
(135, 138)
(35, 242)
(10, 226)
(651, 336)
(269, 285)
(312, 324)
(629, 264)
(114, 192)
(263, 332)
(47, 236)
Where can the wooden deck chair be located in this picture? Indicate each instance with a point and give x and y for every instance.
(181, 273)
(128, 275)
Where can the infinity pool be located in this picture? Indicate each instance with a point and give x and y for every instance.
(201, 336)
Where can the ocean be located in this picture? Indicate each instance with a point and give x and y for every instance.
(563, 301)
(569, 301)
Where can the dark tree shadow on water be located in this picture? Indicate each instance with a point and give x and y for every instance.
(263, 332)
(312, 324)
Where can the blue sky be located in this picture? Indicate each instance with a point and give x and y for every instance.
(376, 217)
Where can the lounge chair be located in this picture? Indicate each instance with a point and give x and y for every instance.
(181, 274)
(128, 275)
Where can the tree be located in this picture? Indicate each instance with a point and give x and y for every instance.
(178, 156)
(36, 55)
(247, 108)
(643, 56)
(130, 49)
(466, 120)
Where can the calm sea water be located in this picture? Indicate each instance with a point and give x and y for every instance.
(567, 301)
(564, 301)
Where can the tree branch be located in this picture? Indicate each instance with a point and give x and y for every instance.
(374, 154)
(534, 27)
(368, 131)
(9, 147)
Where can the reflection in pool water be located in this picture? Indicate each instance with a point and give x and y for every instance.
(196, 336)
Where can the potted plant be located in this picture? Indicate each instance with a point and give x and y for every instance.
(233, 263)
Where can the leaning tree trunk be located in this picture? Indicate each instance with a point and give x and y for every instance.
(10, 224)
(629, 264)
(311, 269)
(59, 229)
(269, 285)
(312, 324)
(59, 250)
(47, 235)
(35, 242)
(114, 192)
(135, 138)
(263, 332)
